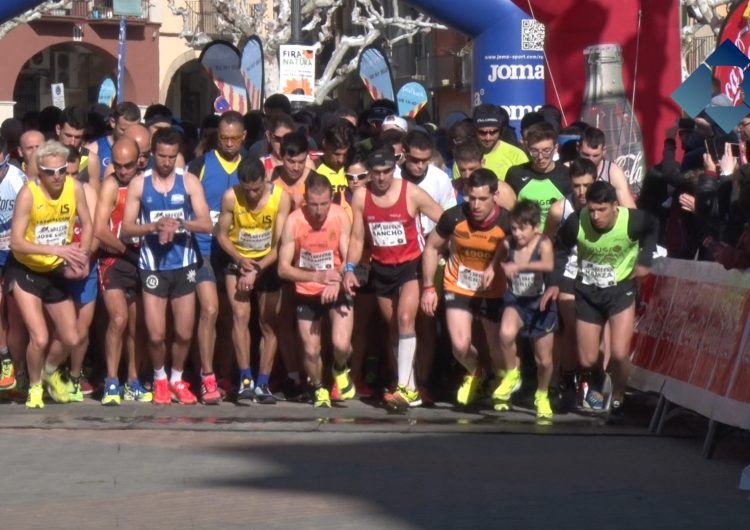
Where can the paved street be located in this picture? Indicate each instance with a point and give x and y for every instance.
(140, 466)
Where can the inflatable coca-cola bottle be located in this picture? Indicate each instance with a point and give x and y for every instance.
(606, 107)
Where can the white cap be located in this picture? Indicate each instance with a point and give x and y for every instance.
(394, 122)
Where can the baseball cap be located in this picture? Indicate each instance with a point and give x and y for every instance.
(382, 156)
(392, 121)
(487, 115)
(381, 109)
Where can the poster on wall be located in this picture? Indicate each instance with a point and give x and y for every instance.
(375, 72)
(107, 92)
(251, 68)
(297, 72)
(222, 61)
(411, 99)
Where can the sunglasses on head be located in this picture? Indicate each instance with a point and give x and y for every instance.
(50, 171)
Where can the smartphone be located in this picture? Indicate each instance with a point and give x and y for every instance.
(711, 150)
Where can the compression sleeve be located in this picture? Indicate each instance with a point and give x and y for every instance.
(644, 228)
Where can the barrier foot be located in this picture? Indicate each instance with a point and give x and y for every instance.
(662, 416)
(656, 416)
(712, 437)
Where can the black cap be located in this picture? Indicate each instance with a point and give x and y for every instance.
(383, 156)
(380, 109)
(487, 115)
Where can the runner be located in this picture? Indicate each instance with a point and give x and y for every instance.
(337, 141)
(582, 175)
(70, 131)
(313, 247)
(171, 207)
(473, 233)
(125, 114)
(11, 182)
(27, 146)
(389, 209)
(291, 174)
(530, 256)
(542, 181)
(45, 258)
(217, 172)
(499, 156)
(278, 126)
(615, 245)
(468, 157)
(118, 276)
(593, 146)
(252, 216)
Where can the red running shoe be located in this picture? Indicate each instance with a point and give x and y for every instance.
(161, 392)
(210, 394)
(181, 393)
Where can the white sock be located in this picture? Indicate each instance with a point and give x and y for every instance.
(176, 376)
(160, 374)
(49, 369)
(407, 347)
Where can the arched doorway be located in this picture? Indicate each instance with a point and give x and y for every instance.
(78, 67)
(191, 92)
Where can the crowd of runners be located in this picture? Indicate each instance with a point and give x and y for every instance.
(317, 257)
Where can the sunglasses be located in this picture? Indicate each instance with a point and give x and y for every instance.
(488, 132)
(354, 177)
(50, 171)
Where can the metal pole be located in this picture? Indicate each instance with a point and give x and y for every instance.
(296, 23)
(121, 60)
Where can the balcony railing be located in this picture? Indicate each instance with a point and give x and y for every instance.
(96, 10)
(202, 18)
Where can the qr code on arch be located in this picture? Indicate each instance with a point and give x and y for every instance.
(532, 35)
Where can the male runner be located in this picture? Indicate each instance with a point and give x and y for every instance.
(45, 259)
(337, 141)
(217, 172)
(593, 146)
(313, 247)
(387, 213)
(118, 275)
(70, 130)
(499, 156)
(252, 216)
(278, 126)
(125, 114)
(27, 146)
(468, 157)
(615, 245)
(171, 207)
(473, 233)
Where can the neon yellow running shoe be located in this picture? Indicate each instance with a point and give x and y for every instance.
(543, 406)
(111, 395)
(34, 398)
(56, 387)
(404, 398)
(467, 392)
(74, 390)
(510, 382)
(344, 383)
(322, 398)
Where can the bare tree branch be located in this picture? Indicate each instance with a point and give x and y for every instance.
(32, 14)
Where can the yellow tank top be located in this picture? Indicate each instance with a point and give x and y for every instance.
(253, 232)
(51, 222)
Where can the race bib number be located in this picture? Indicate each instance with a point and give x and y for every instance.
(317, 261)
(5, 240)
(468, 279)
(214, 217)
(598, 275)
(388, 234)
(255, 240)
(51, 233)
(527, 284)
(174, 214)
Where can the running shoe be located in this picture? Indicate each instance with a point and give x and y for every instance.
(509, 384)
(246, 389)
(86, 387)
(34, 399)
(111, 397)
(322, 398)
(7, 374)
(181, 393)
(135, 391)
(467, 392)
(56, 387)
(20, 392)
(404, 398)
(616, 414)
(593, 400)
(74, 390)
(161, 392)
(210, 394)
(263, 395)
(364, 390)
(543, 406)
(344, 385)
(291, 391)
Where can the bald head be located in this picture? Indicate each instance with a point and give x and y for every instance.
(125, 159)
(29, 143)
(142, 137)
(126, 147)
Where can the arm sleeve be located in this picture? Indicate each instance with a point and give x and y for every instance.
(643, 227)
(196, 165)
(566, 239)
(447, 222)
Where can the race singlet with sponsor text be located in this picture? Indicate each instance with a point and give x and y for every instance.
(606, 259)
(394, 235)
(253, 232)
(316, 249)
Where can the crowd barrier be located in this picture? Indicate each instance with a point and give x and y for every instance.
(692, 340)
